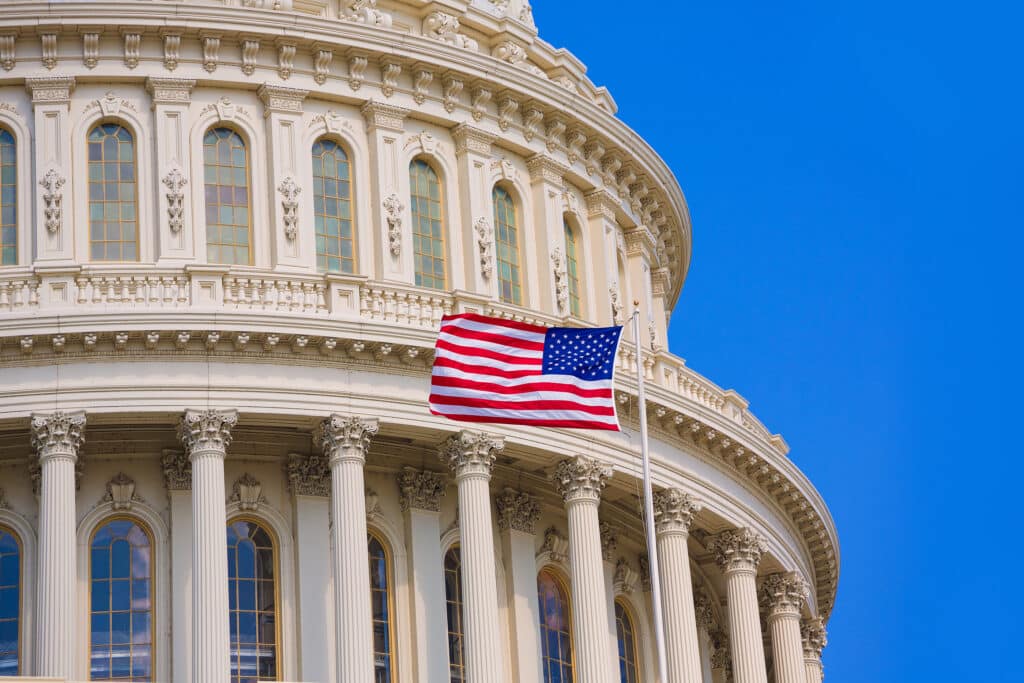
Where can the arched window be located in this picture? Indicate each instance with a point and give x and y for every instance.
(8, 202)
(228, 211)
(427, 225)
(506, 236)
(555, 628)
(10, 603)
(252, 602)
(453, 598)
(121, 613)
(380, 600)
(113, 207)
(626, 636)
(332, 201)
(572, 269)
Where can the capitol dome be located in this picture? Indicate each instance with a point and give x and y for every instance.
(228, 234)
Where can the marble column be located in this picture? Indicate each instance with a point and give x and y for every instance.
(310, 485)
(673, 514)
(345, 441)
(517, 525)
(56, 437)
(783, 596)
(471, 455)
(738, 552)
(812, 632)
(580, 481)
(420, 499)
(206, 435)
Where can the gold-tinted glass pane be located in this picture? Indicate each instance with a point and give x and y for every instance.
(228, 210)
(572, 270)
(113, 194)
(252, 602)
(332, 202)
(10, 603)
(555, 629)
(121, 603)
(427, 225)
(627, 644)
(506, 235)
(8, 206)
(380, 600)
(453, 598)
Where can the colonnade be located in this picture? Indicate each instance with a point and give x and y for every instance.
(343, 442)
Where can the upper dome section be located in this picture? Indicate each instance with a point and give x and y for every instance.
(479, 62)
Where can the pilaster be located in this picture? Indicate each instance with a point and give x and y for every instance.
(389, 188)
(640, 246)
(56, 438)
(292, 241)
(178, 482)
(547, 184)
(517, 521)
(473, 153)
(54, 239)
(170, 101)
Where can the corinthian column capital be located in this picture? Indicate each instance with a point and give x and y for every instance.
(420, 489)
(812, 633)
(470, 453)
(738, 549)
(581, 479)
(204, 431)
(344, 437)
(518, 511)
(784, 593)
(58, 434)
(674, 511)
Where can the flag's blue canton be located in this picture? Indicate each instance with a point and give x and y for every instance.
(587, 353)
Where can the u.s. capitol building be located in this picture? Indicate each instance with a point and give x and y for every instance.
(228, 234)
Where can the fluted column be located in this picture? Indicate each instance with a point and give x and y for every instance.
(673, 514)
(812, 632)
(56, 438)
(344, 441)
(738, 553)
(206, 435)
(783, 596)
(580, 480)
(471, 455)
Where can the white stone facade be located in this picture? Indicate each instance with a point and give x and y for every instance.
(180, 394)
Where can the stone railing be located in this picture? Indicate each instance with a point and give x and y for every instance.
(410, 306)
(135, 290)
(299, 295)
(19, 293)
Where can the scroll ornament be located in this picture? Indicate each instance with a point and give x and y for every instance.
(175, 182)
(52, 182)
(290, 204)
(393, 209)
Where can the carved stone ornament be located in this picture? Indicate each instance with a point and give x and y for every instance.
(175, 182)
(7, 51)
(372, 502)
(345, 437)
(247, 491)
(703, 608)
(322, 58)
(444, 27)
(555, 544)
(616, 303)
(644, 562)
(625, 578)
(721, 658)
(308, 475)
(58, 434)
(420, 489)
(393, 209)
(177, 470)
(561, 280)
(784, 593)
(172, 51)
(364, 12)
(470, 453)
(505, 167)
(485, 242)
(121, 492)
(738, 550)
(290, 206)
(581, 479)
(674, 511)
(609, 540)
(205, 431)
(517, 511)
(52, 182)
(426, 142)
(812, 633)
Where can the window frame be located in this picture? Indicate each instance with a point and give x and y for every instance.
(130, 129)
(275, 549)
(346, 149)
(558, 576)
(573, 257)
(153, 635)
(516, 225)
(442, 212)
(630, 615)
(6, 528)
(455, 548)
(248, 146)
(389, 573)
(5, 128)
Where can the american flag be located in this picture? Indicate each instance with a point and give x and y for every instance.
(492, 370)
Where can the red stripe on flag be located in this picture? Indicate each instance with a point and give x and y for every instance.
(572, 424)
(521, 388)
(541, 404)
(527, 327)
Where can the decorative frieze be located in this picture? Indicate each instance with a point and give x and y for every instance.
(517, 511)
(470, 139)
(420, 489)
(738, 550)
(384, 116)
(170, 90)
(364, 12)
(247, 492)
(470, 453)
(50, 89)
(308, 475)
(581, 478)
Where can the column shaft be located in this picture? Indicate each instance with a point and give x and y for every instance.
(745, 627)
(352, 611)
(786, 650)
(673, 513)
(812, 670)
(589, 610)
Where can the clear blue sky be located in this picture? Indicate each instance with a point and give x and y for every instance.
(855, 173)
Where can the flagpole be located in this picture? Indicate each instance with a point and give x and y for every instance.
(652, 549)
